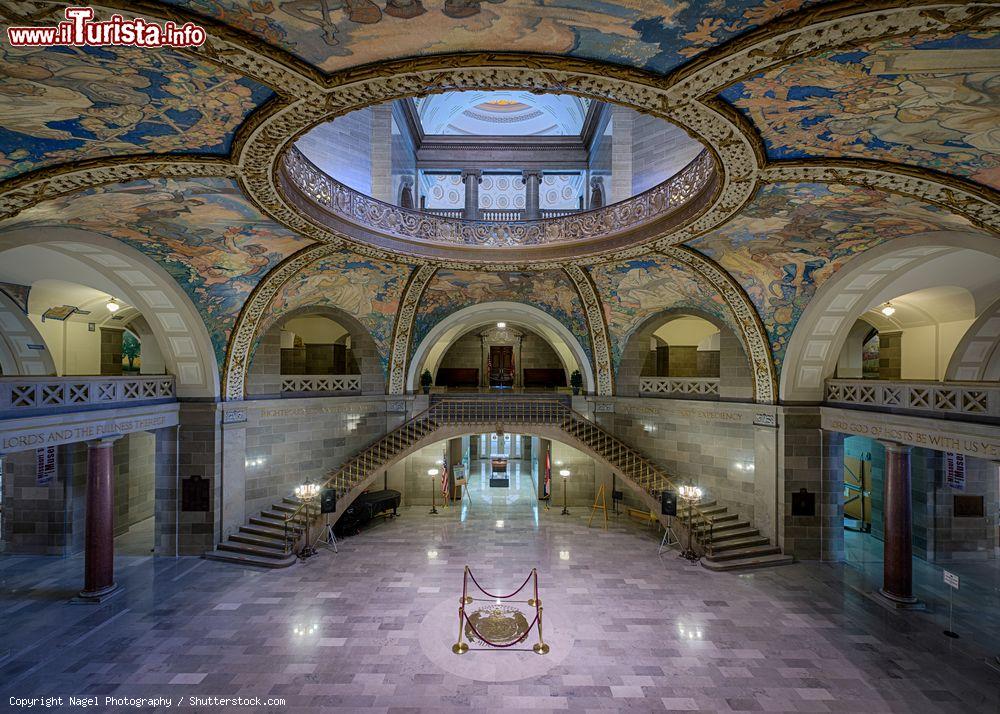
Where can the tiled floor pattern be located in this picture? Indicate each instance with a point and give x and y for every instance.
(341, 632)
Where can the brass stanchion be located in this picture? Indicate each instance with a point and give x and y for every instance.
(460, 647)
(540, 647)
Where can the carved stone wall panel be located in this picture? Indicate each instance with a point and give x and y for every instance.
(245, 332)
(403, 330)
(978, 204)
(752, 329)
(600, 340)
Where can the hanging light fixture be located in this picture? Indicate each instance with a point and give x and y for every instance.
(501, 325)
(112, 305)
(888, 310)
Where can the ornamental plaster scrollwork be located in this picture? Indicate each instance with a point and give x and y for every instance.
(403, 330)
(600, 340)
(765, 382)
(245, 331)
(977, 203)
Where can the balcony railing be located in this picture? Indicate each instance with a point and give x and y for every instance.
(679, 387)
(498, 214)
(31, 396)
(327, 201)
(326, 383)
(968, 399)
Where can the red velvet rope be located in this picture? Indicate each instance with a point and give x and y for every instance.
(518, 641)
(501, 597)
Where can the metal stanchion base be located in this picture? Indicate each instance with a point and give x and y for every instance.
(540, 648)
(459, 648)
(565, 511)
(433, 512)
(307, 552)
(690, 555)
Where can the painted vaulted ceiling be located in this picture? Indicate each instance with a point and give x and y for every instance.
(852, 126)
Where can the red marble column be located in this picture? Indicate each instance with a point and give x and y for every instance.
(99, 570)
(897, 563)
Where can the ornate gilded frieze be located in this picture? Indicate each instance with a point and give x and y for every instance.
(765, 383)
(600, 340)
(403, 330)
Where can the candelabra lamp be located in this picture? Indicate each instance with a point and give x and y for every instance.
(307, 493)
(691, 495)
(433, 474)
(565, 477)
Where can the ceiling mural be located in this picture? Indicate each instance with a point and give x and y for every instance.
(550, 291)
(368, 290)
(637, 289)
(654, 34)
(203, 232)
(793, 237)
(74, 103)
(929, 101)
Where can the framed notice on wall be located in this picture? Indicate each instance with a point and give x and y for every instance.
(46, 465)
(954, 471)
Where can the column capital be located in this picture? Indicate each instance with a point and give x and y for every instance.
(104, 442)
(528, 173)
(895, 447)
(477, 173)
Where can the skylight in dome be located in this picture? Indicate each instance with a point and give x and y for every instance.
(502, 113)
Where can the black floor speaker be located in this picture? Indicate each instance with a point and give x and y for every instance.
(328, 501)
(668, 503)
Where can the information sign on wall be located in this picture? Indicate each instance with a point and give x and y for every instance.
(955, 470)
(46, 465)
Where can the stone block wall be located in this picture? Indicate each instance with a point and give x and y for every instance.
(659, 150)
(403, 155)
(707, 363)
(380, 142)
(537, 353)
(111, 351)
(622, 121)
(34, 517)
(290, 443)
(691, 441)
(967, 537)
(200, 454)
(467, 351)
(683, 361)
(264, 376)
(342, 149)
(890, 355)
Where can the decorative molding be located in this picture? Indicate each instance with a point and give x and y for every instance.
(600, 339)
(765, 381)
(979, 204)
(234, 416)
(25, 191)
(402, 333)
(763, 419)
(244, 333)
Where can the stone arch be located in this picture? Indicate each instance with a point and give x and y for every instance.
(264, 373)
(977, 357)
(173, 319)
(736, 382)
(433, 347)
(17, 332)
(867, 280)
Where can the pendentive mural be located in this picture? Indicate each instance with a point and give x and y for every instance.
(929, 101)
(637, 289)
(367, 289)
(203, 232)
(549, 291)
(793, 236)
(67, 104)
(655, 34)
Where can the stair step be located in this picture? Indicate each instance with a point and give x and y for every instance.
(280, 517)
(763, 561)
(724, 526)
(717, 519)
(265, 531)
(246, 549)
(284, 507)
(258, 541)
(741, 553)
(291, 501)
(735, 533)
(736, 543)
(274, 522)
(247, 559)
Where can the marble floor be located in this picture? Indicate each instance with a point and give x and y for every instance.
(367, 629)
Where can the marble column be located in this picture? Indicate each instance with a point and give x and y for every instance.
(897, 563)
(99, 566)
(471, 178)
(532, 207)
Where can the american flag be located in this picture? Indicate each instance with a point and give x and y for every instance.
(444, 474)
(548, 473)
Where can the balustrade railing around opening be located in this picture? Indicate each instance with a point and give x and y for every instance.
(492, 412)
(963, 399)
(325, 383)
(706, 387)
(31, 396)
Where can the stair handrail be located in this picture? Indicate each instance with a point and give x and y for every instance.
(509, 410)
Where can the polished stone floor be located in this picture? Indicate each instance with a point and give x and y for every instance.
(365, 629)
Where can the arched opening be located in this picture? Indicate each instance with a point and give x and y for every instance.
(909, 337)
(315, 350)
(941, 281)
(22, 349)
(548, 335)
(72, 275)
(684, 354)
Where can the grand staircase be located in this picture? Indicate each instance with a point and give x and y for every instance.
(726, 541)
